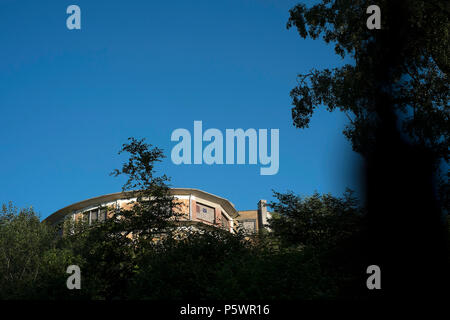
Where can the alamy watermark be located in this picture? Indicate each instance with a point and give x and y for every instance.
(374, 20)
(74, 280)
(374, 280)
(74, 20)
(213, 153)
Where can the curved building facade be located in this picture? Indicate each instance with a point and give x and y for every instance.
(196, 206)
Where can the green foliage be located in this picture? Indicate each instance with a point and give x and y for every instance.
(217, 265)
(419, 87)
(112, 249)
(329, 229)
(153, 212)
(202, 265)
(31, 264)
(314, 221)
(107, 258)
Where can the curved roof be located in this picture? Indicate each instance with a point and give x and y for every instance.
(56, 216)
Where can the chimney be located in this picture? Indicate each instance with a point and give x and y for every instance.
(262, 214)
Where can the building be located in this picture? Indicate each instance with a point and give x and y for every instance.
(196, 206)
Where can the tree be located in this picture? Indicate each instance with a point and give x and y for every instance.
(217, 265)
(31, 264)
(396, 96)
(418, 85)
(327, 233)
(153, 212)
(317, 221)
(113, 249)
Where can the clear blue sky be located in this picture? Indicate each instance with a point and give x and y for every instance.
(69, 99)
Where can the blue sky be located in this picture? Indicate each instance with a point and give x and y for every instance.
(70, 98)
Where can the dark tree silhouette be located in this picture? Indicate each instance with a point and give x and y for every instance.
(396, 97)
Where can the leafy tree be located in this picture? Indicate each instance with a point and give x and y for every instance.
(107, 258)
(417, 87)
(217, 265)
(112, 249)
(315, 221)
(153, 212)
(396, 96)
(31, 264)
(329, 231)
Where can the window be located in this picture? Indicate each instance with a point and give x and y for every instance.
(205, 213)
(102, 215)
(225, 222)
(86, 216)
(94, 215)
(249, 225)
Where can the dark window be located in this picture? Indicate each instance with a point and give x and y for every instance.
(86, 216)
(249, 225)
(102, 215)
(205, 213)
(94, 215)
(225, 222)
